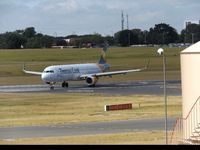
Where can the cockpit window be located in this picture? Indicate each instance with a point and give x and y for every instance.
(49, 71)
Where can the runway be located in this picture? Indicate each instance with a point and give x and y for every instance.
(149, 87)
(86, 128)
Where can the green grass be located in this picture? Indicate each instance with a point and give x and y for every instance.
(47, 108)
(119, 58)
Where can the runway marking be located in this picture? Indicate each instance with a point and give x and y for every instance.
(80, 91)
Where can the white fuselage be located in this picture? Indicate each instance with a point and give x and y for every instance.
(72, 72)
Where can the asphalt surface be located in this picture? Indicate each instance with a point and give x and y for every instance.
(86, 128)
(120, 88)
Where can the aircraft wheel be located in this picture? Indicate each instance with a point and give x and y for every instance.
(93, 85)
(65, 84)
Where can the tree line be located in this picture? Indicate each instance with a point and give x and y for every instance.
(160, 34)
(27, 38)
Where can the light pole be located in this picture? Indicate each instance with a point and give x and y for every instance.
(161, 52)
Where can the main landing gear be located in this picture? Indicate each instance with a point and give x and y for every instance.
(93, 85)
(65, 84)
(52, 84)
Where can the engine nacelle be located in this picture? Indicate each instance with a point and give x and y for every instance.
(91, 80)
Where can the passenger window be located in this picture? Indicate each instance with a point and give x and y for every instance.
(76, 70)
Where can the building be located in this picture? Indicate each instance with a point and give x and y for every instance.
(191, 22)
(187, 129)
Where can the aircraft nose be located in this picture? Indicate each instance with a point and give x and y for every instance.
(44, 77)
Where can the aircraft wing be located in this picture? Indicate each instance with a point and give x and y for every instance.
(111, 73)
(31, 72)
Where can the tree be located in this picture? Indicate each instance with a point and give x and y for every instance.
(33, 42)
(29, 32)
(11, 40)
(138, 36)
(127, 37)
(110, 40)
(61, 42)
(46, 41)
(123, 37)
(40, 41)
(90, 40)
(162, 34)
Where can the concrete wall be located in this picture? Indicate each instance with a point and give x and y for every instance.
(190, 76)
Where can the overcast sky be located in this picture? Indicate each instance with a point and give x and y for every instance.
(64, 17)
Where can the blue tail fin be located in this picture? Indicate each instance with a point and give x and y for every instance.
(103, 54)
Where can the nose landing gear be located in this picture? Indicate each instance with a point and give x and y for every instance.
(51, 85)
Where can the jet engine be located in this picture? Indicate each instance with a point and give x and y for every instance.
(91, 80)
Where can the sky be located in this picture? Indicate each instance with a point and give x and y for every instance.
(66, 17)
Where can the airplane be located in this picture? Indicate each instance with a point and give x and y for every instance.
(89, 72)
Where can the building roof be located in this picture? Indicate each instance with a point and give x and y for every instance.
(195, 48)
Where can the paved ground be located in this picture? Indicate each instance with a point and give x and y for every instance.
(122, 88)
(86, 128)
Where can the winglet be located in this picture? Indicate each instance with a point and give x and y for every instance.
(24, 67)
(30, 72)
(147, 66)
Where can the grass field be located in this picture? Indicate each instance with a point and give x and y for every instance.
(119, 58)
(47, 108)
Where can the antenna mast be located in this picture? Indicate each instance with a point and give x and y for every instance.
(122, 20)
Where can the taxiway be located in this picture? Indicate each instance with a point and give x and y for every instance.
(91, 128)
